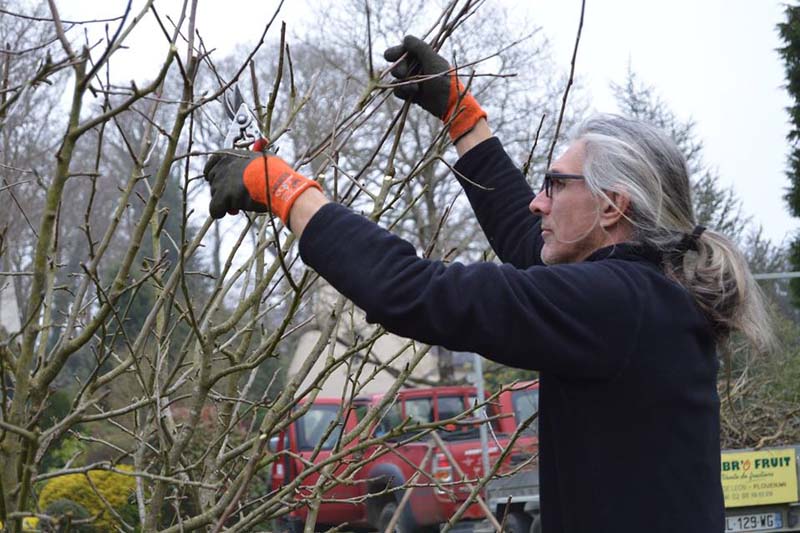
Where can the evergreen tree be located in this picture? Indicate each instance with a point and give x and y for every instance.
(715, 206)
(790, 34)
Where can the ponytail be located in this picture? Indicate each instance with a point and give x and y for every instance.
(716, 274)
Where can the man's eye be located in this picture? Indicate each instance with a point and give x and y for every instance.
(558, 184)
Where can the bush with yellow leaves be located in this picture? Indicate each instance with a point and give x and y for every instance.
(116, 489)
(30, 524)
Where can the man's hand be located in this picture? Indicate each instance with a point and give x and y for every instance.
(443, 96)
(253, 181)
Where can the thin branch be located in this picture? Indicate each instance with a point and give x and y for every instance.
(45, 19)
(60, 29)
(569, 84)
(22, 432)
(526, 167)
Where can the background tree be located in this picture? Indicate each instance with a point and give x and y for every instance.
(715, 206)
(789, 32)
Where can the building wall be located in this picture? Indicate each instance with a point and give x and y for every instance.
(364, 377)
(9, 311)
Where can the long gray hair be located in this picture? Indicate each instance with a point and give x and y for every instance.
(634, 158)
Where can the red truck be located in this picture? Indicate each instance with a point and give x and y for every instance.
(428, 505)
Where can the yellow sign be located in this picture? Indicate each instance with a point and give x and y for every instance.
(759, 478)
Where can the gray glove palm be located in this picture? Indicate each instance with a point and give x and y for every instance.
(224, 171)
(432, 94)
(441, 94)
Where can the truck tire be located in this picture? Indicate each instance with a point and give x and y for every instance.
(386, 514)
(283, 525)
(518, 522)
(536, 526)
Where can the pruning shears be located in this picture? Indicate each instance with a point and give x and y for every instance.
(243, 131)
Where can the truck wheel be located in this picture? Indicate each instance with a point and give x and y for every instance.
(387, 512)
(536, 527)
(288, 526)
(517, 522)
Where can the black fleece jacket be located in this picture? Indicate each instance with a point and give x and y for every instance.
(629, 412)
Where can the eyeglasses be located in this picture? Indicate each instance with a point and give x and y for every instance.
(547, 185)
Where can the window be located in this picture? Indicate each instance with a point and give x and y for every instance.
(390, 420)
(450, 406)
(361, 410)
(419, 410)
(472, 401)
(313, 425)
(526, 404)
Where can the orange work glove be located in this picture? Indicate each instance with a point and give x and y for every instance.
(442, 96)
(253, 181)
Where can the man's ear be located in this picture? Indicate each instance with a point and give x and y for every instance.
(612, 211)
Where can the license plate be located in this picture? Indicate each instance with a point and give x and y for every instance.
(753, 522)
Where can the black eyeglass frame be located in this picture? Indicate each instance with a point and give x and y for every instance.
(547, 184)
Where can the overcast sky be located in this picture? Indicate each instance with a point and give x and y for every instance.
(711, 60)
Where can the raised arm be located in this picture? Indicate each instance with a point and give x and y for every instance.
(497, 190)
(500, 197)
(580, 320)
(573, 313)
(495, 187)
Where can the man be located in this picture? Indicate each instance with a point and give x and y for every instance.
(607, 287)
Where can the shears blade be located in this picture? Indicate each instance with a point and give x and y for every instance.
(243, 131)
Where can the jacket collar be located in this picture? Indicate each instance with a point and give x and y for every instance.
(628, 251)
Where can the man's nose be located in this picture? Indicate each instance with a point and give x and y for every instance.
(540, 205)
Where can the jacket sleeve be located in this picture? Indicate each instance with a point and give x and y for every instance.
(500, 197)
(579, 320)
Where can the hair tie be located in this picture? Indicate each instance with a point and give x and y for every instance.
(689, 240)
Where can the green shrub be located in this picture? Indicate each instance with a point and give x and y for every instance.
(60, 509)
(130, 513)
(62, 451)
(116, 488)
